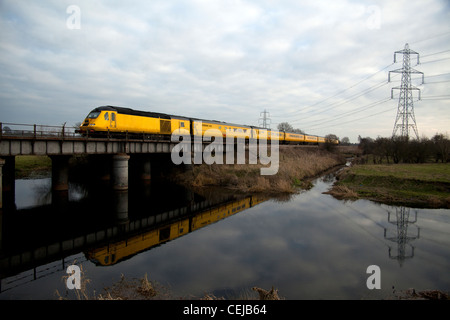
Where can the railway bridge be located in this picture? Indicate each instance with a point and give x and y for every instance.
(61, 143)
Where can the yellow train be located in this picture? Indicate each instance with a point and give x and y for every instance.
(118, 121)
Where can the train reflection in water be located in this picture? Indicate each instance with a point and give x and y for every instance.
(125, 248)
(38, 241)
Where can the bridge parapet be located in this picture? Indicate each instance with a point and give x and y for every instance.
(14, 146)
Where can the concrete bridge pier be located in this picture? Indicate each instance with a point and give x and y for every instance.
(146, 170)
(142, 167)
(60, 173)
(121, 209)
(120, 171)
(2, 163)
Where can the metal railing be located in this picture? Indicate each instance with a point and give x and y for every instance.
(36, 131)
(39, 131)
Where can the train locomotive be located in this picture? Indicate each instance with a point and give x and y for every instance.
(111, 121)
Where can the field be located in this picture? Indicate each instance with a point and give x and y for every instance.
(421, 185)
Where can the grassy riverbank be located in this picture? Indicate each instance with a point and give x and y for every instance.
(421, 185)
(297, 167)
(32, 166)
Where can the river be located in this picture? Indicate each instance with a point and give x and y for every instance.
(308, 246)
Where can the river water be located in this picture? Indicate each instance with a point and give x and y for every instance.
(309, 245)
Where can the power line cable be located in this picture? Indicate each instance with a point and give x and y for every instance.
(352, 112)
(342, 91)
(353, 120)
(351, 98)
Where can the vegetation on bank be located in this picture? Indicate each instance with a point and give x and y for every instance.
(145, 289)
(421, 185)
(32, 166)
(297, 166)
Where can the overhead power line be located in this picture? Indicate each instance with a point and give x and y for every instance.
(355, 120)
(339, 92)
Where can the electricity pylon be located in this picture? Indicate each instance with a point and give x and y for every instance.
(265, 119)
(405, 119)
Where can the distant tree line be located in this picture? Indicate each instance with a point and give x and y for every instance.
(404, 150)
(285, 126)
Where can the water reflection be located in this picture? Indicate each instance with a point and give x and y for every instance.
(309, 246)
(108, 226)
(403, 240)
(127, 246)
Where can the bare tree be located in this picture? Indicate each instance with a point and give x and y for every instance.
(285, 126)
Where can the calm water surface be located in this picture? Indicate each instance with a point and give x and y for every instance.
(310, 246)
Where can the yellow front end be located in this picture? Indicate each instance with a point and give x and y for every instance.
(98, 121)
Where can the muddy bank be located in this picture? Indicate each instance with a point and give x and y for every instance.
(297, 167)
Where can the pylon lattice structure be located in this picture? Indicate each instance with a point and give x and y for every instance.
(405, 120)
(265, 119)
(402, 238)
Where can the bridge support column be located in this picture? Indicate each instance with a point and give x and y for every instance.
(60, 173)
(2, 162)
(120, 171)
(146, 174)
(121, 209)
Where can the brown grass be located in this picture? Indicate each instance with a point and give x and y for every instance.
(343, 192)
(296, 167)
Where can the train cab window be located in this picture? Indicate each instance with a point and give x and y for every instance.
(106, 116)
(93, 114)
(182, 124)
(113, 116)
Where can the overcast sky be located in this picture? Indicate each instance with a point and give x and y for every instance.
(322, 66)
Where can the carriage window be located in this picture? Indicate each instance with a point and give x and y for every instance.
(106, 116)
(182, 124)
